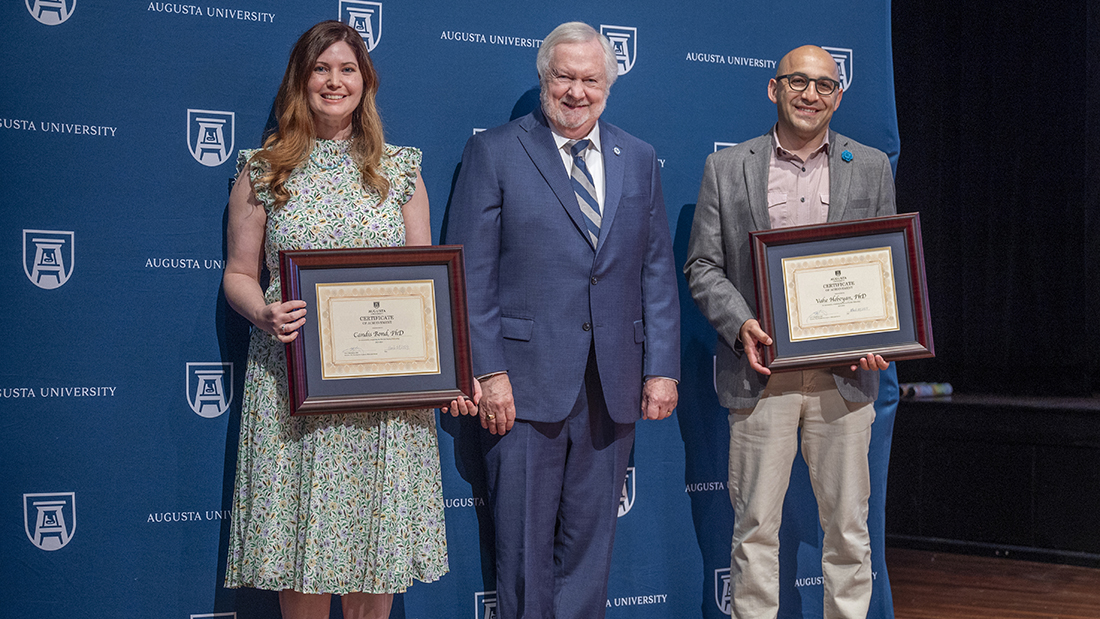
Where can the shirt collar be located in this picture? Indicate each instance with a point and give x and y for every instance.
(593, 136)
(785, 155)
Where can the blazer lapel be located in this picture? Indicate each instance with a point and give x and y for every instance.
(613, 171)
(756, 181)
(538, 141)
(840, 178)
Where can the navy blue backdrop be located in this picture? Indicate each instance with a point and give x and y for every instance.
(119, 125)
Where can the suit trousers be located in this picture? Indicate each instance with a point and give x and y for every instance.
(554, 492)
(763, 442)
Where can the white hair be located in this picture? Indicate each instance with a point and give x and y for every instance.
(576, 32)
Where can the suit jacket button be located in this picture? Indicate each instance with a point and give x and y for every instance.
(594, 280)
(587, 326)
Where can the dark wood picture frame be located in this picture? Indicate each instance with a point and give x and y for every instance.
(311, 395)
(913, 340)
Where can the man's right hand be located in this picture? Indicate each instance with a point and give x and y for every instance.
(754, 339)
(497, 407)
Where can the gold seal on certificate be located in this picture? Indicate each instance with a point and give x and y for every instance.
(382, 328)
(833, 295)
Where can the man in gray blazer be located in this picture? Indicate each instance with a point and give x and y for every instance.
(798, 173)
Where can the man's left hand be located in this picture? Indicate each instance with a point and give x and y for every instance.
(871, 362)
(658, 398)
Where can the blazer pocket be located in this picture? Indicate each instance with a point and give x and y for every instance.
(639, 331)
(517, 328)
(860, 209)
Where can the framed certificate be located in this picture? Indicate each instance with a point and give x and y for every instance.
(829, 294)
(386, 328)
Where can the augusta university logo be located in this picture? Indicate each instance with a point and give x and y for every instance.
(843, 58)
(210, 136)
(51, 12)
(365, 17)
(722, 589)
(624, 40)
(50, 519)
(48, 257)
(485, 605)
(626, 500)
(209, 388)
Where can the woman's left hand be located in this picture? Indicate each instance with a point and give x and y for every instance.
(463, 405)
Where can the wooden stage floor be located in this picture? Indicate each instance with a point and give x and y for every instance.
(934, 585)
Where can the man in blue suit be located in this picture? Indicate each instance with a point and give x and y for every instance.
(575, 324)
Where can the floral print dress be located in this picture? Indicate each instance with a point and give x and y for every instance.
(332, 503)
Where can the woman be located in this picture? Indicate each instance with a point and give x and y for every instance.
(348, 504)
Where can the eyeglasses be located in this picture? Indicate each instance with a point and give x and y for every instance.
(799, 82)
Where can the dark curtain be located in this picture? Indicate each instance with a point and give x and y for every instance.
(998, 106)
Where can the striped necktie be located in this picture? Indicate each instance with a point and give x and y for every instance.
(585, 190)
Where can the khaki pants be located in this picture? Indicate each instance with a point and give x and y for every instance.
(763, 442)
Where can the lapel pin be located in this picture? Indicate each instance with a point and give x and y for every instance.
(847, 155)
(617, 151)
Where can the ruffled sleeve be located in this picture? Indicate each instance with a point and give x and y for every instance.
(256, 171)
(400, 166)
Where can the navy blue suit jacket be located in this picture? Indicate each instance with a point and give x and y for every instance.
(540, 294)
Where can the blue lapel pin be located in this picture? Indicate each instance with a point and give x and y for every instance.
(847, 155)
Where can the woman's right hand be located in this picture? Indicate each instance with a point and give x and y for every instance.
(283, 319)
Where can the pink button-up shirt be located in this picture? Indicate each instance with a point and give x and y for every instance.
(798, 191)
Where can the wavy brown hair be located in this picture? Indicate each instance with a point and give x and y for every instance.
(290, 145)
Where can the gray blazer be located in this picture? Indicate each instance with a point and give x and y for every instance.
(732, 202)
